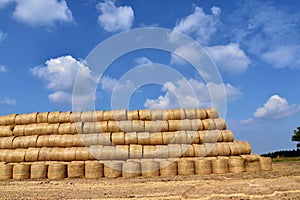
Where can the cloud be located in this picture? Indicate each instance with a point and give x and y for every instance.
(113, 18)
(143, 61)
(2, 68)
(286, 56)
(7, 101)
(190, 93)
(4, 3)
(246, 121)
(59, 75)
(229, 58)
(199, 25)
(2, 36)
(42, 12)
(107, 83)
(276, 107)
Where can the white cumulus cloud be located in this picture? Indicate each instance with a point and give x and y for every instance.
(2, 68)
(143, 60)
(2, 36)
(4, 3)
(7, 101)
(113, 18)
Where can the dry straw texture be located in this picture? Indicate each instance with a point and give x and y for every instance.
(108, 153)
(149, 168)
(131, 169)
(220, 123)
(186, 167)
(223, 148)
(138, 126)
(136, 151)
(104, 139)
(168, 167)
(201, 113)
(69, 154)
(38, 170)
(42, 117)
(179, 114)
(122, 152)
(235, 164)
(190, 113)
(227, 136)
(144, 115)
(265, 163)
(41, 129)
(203, 166)
(251, 163)
(211, 149)
(220, 166)
(24, 119)
(53, 117)
(32, 154)
(113, 169)
(187, 150)
(113, 126)
(174, 150)
(162, 151)
(6, 142)
(149, 151)
(57, 170)
(168, 137)
(6, 171)
(7, 120)
(19, 130)
(81, 154)
(76, 169)
(16, 156)
(200, 150)
(118, 138)
(196, 125)
(94, 169)
(6, 131)
(157, 115)
(208, 124)
(126, 126)
(192, 137)
(21, 171)
(64, 117)
(133, 115)
(212, 113)
(131, 138)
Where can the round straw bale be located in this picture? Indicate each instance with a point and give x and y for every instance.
(69, 154)
(203, 166)
(64, 117)
(120, 115)
(265, 163)
(223, 148)
(21, 171)
(143, 138)
(75, 117)
(52, 129)
(4, 153)
(156, 138)
(168, 115)
(7, 142)
(131, 138)
(101, 127)
(30, 129)
(77, 141)
(89, 139)
(81, 154)
(186, 167)
(227, 136)
(75, 169)
(104, 139)
(122, 152)
(235, 164)
(162, 151)
(156, 126)
(44, 154)
(66, 141)
(32, 154)
(133, 115)
(251, 162)
(157, 114)
(76, 128)
(95, 152)
(138, 126)
(108, 153)
(64, 128)
(126, 126)
(53, 117)
(149, 151)
(179, 114)
(89, 116)
(247, 148)
(200, 150)
(150, 168)
(88, 127)
(41, 129)
(113, 169)
(108, 115)
(30, 141)
(24, 119)
(235, 148)
(113, 126)
(131, 169)
(192, 137)
(185, 124)
(43, 141)
(219, 166)
(57, 170)
(135, 151)
(168, 167)
(7, 119)
(18, 142)
(42, 117)
(190, 113)
(168, 137)
(6, 131)
(56, 154)
(174, 125)
(212, 136)
(187, 150)
(118, 138)
(99, 115)
(211, 149)
(38, 170)
(196, 125)
(144, 114)
(201, 113)
(174, 150)
(180, 137)
(208, 124)
(220, 123)
(19, 130)
(6, 171)
(94, 169)
(212, 113)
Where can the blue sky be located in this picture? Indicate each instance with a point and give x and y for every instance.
(254, 44)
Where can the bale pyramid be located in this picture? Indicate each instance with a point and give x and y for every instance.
(120, 143)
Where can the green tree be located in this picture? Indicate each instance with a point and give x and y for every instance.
(296, 137)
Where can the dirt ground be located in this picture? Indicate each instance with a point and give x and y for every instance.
(281, 183)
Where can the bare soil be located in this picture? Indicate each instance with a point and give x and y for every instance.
(281, 183)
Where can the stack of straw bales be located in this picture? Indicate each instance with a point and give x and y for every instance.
(120, 143)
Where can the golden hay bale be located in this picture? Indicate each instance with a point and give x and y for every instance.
(149, 151)
(6, 171)
(30, 141)
(133, 115)
(66, 141)
(18, 155)
(220, 123)
(131, 138)
(223, 148)
(77, 141)
(201, 113)
(32, 154)
(52, 129)
(219, 166)
(94, 169)
(65, 128)
(168, 137)
(212, 113)
(203, 166)
(247, 148)
(43, 141)
(236, 148)
(168, 115)
(186, 167)
(30, 129)
(174, 125)
(88, 127)
(57, 170)
(179, 114)
(56, 154)
(211, 149)
(200, 150)
(95, 152)
(138, 126)
(174, 150)
(196, 125)
(126, 126)
(41, 128)
(108, 153)
(42, 117)
(18, 142)
(7, 119)
(64, 117)
(19, 130)
(235, 164)
(251, 162)
(143, 138)
(135, 151)
(192, 137)
(7, 142)
(101, 127)
(180, 137)
(187, 150)
(162, 151)
(89, 139)
(208, 124)
(24, 119)
(156, 138)
(99, 115)
(21, 171)
(131, 169)
(212, 136)
(157, 114)
(104, 139)
(89, 116)
(156, 126)
(227, 136)
(122, 152)
(69, 154)
(149, 168)
(190, 113)
(113, 126)
(44, 154)
(118, 138)
(4, 153)
(6, 131)
(115, 115)
(81, 154)
(38, 170)
(113, 169)
(75, 169)
(144, 114)
(168, 167)
(265, 163)
(53, 117)
(75, 117)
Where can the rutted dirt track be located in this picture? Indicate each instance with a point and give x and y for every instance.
(281, 183)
